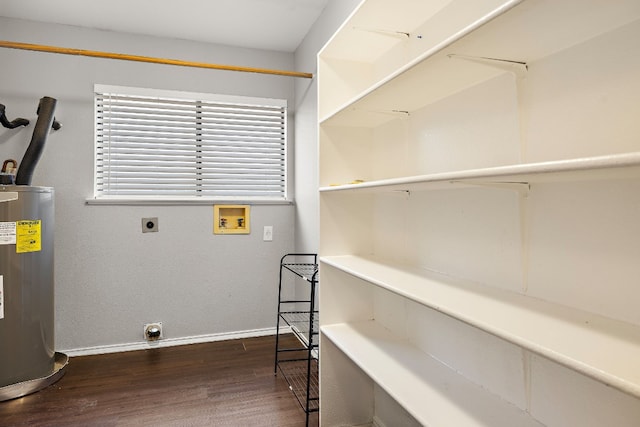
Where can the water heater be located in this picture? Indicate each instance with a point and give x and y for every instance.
(28, 361)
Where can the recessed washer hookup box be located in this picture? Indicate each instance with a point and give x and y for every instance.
(231, 219)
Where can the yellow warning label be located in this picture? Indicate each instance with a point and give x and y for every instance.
(28, 236)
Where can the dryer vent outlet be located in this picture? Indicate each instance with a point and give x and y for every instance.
(150, 225)
(153, 331)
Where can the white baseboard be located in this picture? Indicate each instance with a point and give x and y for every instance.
(377, 422)
(170, 342)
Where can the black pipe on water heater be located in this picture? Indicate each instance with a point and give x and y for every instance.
(11, 124)
(46, 110)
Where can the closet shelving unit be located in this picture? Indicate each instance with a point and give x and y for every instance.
(299, 314)
(479, 170)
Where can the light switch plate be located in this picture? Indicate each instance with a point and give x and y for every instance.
(267, 235)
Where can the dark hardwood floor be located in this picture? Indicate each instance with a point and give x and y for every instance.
(226, 383)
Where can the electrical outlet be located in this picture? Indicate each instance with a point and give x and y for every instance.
(153, 331)
(267, 235)
(149, 225)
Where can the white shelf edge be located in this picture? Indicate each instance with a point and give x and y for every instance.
(426, 388)
(562, 334)
(522, 173)
(422, 57)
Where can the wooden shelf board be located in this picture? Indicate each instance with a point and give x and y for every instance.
(601, 348)
(426, 388)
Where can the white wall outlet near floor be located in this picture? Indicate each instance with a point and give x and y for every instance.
(267, 235)
(153, 331)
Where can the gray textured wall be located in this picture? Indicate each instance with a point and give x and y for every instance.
(111, 278)
(306, 123)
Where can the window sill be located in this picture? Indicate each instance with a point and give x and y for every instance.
(182, 202)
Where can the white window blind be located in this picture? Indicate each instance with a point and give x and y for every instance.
(189, 146)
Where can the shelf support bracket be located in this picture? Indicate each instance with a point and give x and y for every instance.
(521, 187)
(401, 113)
(518, 68)
(389, 33)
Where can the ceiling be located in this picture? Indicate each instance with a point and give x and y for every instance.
(263, 24)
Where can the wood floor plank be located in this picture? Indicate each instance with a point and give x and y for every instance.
(227, 383)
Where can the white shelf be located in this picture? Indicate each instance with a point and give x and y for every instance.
(429, 390)
(531, 96)
(509, 32)
(423, 22)
(568, 336)
(615, 166)
(429, 27)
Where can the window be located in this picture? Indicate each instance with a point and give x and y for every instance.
(165, 145)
